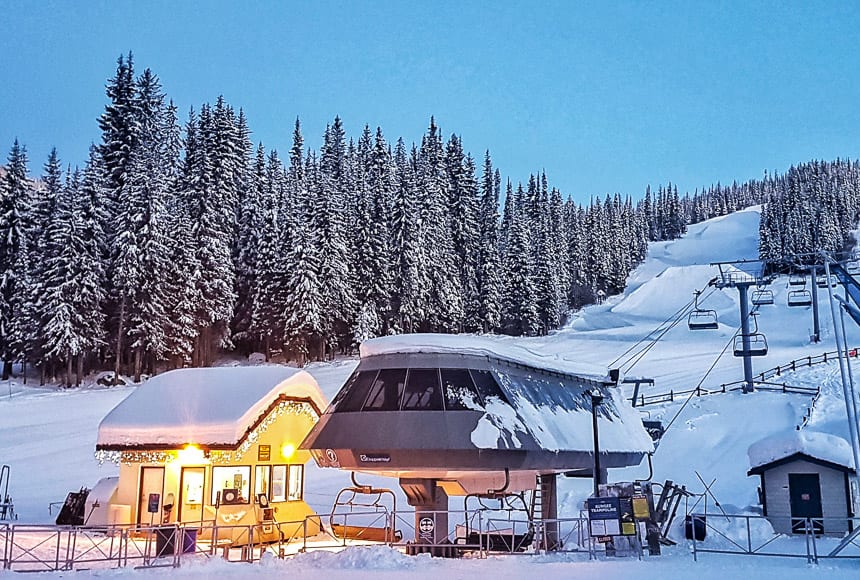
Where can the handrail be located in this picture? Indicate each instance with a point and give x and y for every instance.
(761, 378)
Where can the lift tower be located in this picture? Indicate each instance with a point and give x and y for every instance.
(731, 276)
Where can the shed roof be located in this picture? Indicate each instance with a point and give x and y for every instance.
(819, 448)
(206, 406)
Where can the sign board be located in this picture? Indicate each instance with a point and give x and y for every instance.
(628, 523)
(152, 504)
(426, 527)
(264, 452)
(604, 516)
(640, 507)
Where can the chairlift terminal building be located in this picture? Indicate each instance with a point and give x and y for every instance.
(458, 415)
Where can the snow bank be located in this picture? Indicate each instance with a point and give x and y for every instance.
(818, 445)
(206, 406)
(505, 348)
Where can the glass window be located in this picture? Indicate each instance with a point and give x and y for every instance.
(487, 386)
(297, 482)
(279, 483)
(262, 478)
(422, 390)
(460, 393)
(353, 394)
(386, 390)
(236, 478)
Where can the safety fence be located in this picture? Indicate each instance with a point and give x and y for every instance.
(469, 533)
(814, 539)
(762, 381)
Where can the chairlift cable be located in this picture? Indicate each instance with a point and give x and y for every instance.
(708, 372)
(634, 359)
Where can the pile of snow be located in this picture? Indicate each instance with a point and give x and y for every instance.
(818, 445)
(206, 406)
(505, 348)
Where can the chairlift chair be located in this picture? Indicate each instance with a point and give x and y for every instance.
(800, 298)
(822, 281)
(702, 319)
(762, 297)
(360, 513)
(757, 342)
(797, 280)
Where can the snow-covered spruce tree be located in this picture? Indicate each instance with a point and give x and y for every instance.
(463, 206)
(410, 295)
(488, 262)
(330, 220)
(519, 312)
(69, 307)
(445, 312)
(15, 196)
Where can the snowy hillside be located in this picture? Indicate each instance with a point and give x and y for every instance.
(48, 436)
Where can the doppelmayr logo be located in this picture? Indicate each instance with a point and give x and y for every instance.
(374, 458)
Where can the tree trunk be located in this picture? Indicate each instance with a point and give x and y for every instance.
(69, 371)
(80, 375)
(120, 330)
(138, 354)
(7, 369)
(42, 375)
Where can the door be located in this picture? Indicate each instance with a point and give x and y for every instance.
(151, 482)
(191, 494)
(804, 491)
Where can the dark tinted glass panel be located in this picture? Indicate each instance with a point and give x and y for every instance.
(422, 390)
(386, 391)
(460, 393)
(487, 386)
(353, 394)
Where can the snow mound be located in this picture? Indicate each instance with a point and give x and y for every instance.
(357, 558)
(675, 285)
(818, 445)
(506, 348)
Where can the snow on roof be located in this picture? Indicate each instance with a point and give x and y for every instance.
(207, 406)
(506, 348)
(814, 444)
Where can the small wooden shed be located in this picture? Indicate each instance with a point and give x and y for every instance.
(805, 475)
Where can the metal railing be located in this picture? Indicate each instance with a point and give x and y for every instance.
(762, 381)
(813, 538)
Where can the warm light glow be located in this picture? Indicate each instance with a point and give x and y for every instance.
(288, 450)
(191, 454)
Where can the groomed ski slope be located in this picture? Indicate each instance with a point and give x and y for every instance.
(48, 435)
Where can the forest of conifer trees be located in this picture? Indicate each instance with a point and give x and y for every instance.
(175, 242)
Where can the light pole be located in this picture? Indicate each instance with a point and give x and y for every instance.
(596, 398)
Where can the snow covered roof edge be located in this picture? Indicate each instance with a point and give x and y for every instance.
(821, 446)
(478, 345)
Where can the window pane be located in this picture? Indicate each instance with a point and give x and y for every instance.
(279, 483)
(261, 481)
(487, 386)
(297, 483)
(386, 391)
(422, 390)
(353, 394)
(460, 393)
(231, 478)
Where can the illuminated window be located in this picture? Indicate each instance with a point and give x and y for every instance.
(296, 481)
(232, 479)
(262, 478)
(279, 483)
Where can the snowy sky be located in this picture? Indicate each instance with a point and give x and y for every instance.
(604, 97)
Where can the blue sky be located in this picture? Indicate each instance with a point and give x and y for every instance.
(603, 96)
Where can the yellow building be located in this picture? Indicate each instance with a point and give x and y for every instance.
(213, 446)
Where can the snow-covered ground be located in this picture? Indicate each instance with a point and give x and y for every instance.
(48, 435)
